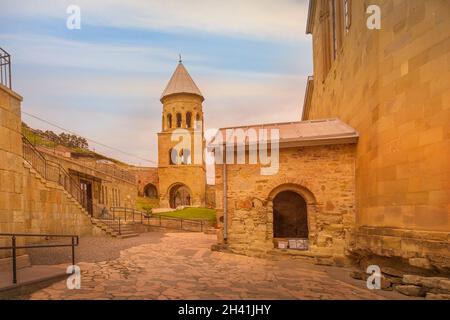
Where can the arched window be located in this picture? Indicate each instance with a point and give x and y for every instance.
(188, 119)
(169, 121)
(197, 120)
(178, 120)
(150, 191)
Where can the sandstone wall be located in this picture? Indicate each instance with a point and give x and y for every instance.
(323, 175)
(144, 176)
(126, 191)
(393, 86)
(48, 208)
(210, 197)
(11, 167)
(194, 177)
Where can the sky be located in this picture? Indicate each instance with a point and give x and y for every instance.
(249, 58)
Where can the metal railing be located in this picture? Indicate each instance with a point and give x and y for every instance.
(5, 68)
(53, 171)
(114, 171)
(102, 214)
(151, 219)
(14, 247)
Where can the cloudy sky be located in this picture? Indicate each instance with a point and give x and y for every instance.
(250, 59)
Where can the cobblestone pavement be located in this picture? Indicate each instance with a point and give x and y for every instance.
(181, 266)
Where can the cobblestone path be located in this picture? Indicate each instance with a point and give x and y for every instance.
(182, 266)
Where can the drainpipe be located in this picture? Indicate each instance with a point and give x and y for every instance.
(225, 214)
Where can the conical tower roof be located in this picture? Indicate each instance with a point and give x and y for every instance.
(181, 82)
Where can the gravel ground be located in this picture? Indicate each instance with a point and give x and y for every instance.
(91, 249)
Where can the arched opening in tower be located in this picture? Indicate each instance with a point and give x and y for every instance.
(169, 121)
(188, 119)
(180, 195)
(178, 120)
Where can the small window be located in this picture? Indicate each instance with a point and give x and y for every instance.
(197, 121)
(178, 120)
(169, 121)
(188, 119)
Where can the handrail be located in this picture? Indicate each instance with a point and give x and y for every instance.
(75, 241)
(5, 69)
(147, 216)
(39, 162)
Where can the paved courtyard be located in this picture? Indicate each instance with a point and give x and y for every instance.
(181, 266)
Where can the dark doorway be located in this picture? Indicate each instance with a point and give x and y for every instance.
(290, 219)
(180, 196)
(86, 195)
(150, 191)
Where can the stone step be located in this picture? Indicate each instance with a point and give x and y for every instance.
(210, 231)
(128, 235)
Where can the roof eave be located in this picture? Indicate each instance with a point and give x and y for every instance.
(295, 142)
(177, 93)
(310, 21)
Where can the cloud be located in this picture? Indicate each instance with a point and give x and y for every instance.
(108, 89)
(280, 20)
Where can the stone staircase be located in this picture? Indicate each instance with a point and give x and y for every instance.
(111, 227)
(108, 227)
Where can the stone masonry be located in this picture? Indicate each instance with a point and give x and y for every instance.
(392, 86)
(322, 175)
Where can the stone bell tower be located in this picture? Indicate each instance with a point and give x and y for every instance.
(181, 166)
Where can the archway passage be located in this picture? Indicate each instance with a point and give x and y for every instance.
(180, 196)
(290, 218)
(150, 191)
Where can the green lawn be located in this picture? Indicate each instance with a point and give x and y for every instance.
(193, 213)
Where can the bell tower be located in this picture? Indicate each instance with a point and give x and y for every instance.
(181, 167)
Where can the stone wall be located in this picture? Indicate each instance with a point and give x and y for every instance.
(127, 191)
(144, 176)
(322, 175)
(48, 208)
(11, 166)
(210, 197)
(392, 85)
(29, 204)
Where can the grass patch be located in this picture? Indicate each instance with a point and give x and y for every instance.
(37, 140)
(193, 213)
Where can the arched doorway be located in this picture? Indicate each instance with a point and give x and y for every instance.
(180, 195)
(290, 217)
(150, 191)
